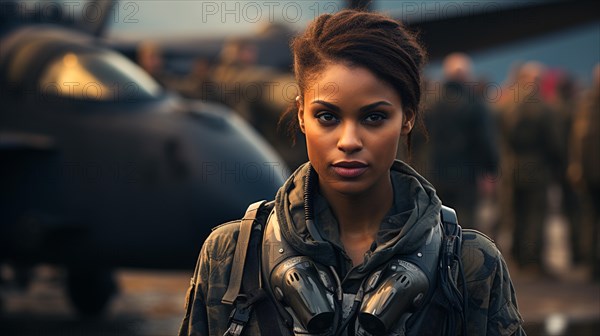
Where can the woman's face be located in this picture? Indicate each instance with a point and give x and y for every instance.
(352, 121)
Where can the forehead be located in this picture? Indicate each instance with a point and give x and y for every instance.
(339, 80)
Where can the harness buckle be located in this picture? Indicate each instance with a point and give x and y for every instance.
(234, 330)
(239, 317)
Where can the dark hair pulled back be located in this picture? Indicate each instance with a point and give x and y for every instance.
(366, 39)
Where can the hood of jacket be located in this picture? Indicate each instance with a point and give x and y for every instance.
(406, 227)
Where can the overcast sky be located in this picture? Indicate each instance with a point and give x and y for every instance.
(576, 50)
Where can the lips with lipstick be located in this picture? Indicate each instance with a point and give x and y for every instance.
(349, 169)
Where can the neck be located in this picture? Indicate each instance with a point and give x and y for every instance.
(361, 214)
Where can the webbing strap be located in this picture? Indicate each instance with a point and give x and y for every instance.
(239, 258)
(266, 314)
(449, 217)
(453, 266)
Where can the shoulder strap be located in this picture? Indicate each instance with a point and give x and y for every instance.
(449, 217)
(241, 249)
(452, 233)
(244, 289)
(452, 266)
(256, 297)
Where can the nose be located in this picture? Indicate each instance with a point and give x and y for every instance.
(350, 140)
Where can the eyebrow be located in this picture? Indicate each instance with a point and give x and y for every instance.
(362, 109)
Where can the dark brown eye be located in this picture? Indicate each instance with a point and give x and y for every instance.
(326, 118)
(374, 118)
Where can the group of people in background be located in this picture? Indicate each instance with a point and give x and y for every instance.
(538, 137)
(540, 132)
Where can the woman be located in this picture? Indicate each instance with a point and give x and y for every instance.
(352, 244)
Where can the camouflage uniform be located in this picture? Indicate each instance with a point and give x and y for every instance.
(492, 306)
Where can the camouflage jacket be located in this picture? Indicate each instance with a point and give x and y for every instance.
(492, 306)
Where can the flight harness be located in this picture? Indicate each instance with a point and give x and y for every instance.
(245, 289)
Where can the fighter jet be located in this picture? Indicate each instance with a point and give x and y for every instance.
(101, 168)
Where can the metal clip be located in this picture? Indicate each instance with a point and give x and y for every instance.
(234, 330)
(239, 317)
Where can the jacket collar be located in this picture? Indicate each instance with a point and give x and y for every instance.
(415, 210)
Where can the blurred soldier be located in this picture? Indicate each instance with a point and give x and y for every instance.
(150, 58)
(238, 81)
(463, 152)
(563, 98)
(505, 220)
(584, 171)
(259, 94)
(194, 84)
(530, 135)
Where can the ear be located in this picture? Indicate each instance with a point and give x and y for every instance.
(300, 108)
(407, 124)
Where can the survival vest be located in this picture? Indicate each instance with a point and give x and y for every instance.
(444, 301)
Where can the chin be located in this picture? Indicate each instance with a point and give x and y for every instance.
(349, 188)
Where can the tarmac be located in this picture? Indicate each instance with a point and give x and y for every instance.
(561, 301)
(565, 304)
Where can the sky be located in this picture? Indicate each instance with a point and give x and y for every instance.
(575, 50)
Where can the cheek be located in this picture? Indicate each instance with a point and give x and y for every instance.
(386, 144)
(315, 144)
(319, 146)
